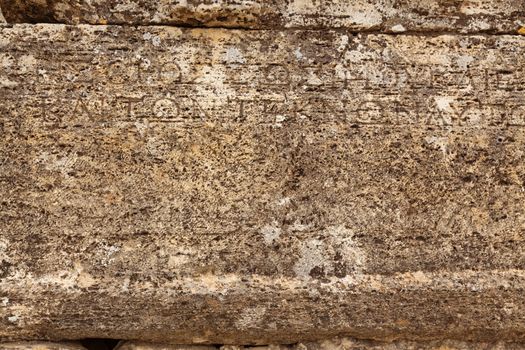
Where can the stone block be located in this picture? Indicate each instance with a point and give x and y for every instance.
(214, 186)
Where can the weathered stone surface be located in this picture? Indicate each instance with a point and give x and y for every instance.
(344, 344)
(40, 346)
(388, 15)
(255, 187)
(354, 344)
(332, 344)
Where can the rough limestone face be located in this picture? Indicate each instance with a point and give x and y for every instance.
(255, 187)
(496, 16)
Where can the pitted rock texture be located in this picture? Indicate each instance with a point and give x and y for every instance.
(255, 187)
(465, 16)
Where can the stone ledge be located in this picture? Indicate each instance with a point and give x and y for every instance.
(393, 16)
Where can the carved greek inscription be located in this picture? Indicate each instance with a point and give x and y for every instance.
(276, 74)
(169, 72)
(371, 93)
(166, 109)
(439, 111)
